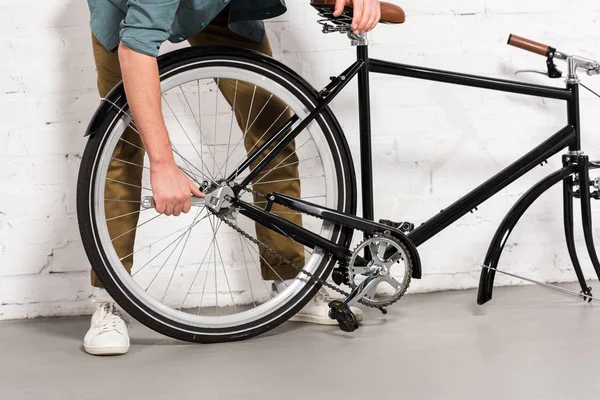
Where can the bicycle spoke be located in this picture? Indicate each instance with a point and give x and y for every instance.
(124, 215)
(215, 263)
(225, 272)
(250, 111)
(136, 227)
(288, 180)
(128, 184)
(266, 262)
(216, 120)
(179, 258)
(260, 111)
(169, 245)
(185, 133)
(190, 174)
(129, 162)
(247, 272)
(134, 128)
(294, 152)
(196, 276)
(165, 262)
(269, 292)
(148, 168)
(246, 128)
(159, 240)
(200, 117)
(205, 280)
(198, 122)
(132, 144)
(231, 124)
(191, 165)
(268, 129)
(264, 173)
(198, 271)
(256, 143)
(122, 201)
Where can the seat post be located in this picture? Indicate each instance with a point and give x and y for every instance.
(364, 115)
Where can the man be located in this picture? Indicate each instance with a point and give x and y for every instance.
(126, 37)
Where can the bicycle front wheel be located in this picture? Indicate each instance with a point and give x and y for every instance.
(192, 277)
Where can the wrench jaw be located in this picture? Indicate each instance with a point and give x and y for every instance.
(219, 199)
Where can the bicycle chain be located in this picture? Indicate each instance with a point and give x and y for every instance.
(282, 258)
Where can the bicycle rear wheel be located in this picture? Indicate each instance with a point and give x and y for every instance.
(192, 277)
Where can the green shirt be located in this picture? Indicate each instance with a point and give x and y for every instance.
(143, 25)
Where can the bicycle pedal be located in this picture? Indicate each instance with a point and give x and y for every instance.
(402, 226)
(346, 319)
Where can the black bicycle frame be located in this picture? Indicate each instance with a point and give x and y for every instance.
(567, 137)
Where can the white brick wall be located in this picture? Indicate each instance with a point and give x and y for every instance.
(431, 142)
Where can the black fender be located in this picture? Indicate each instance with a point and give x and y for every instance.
(111, 107)
(486, 279)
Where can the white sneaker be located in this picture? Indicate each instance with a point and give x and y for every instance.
(108, 332)
(317, 310)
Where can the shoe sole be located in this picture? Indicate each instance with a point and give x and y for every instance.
(106, 351)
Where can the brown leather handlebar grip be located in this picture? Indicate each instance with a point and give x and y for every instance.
(528, 45)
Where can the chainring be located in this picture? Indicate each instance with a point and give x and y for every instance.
(386, 252)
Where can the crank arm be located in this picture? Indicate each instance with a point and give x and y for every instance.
(363, 288)
(586, 296)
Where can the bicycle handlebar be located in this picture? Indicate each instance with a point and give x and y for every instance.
(528, 45)
(574, 62)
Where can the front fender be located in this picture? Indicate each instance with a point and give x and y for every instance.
(492, 258)
(110, 107)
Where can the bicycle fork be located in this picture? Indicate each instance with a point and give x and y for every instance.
(583, 193)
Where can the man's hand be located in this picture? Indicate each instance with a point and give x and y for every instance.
(367, 13)
(171, 189)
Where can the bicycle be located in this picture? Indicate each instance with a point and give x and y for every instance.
(388, 254)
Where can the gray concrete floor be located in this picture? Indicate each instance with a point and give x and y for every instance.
(528, 343)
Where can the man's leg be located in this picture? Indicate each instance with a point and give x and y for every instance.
(121, 201)
(108, 331)
(265, 111)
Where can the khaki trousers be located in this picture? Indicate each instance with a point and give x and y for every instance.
(130, 151)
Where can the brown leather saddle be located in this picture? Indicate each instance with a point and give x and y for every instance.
(390, 13)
